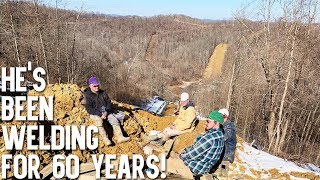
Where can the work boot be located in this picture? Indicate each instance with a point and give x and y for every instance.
(107, 141)
(150, 137)
(158, 142)
(224, 168)
(162, 140)
(104, 135)
(165, 137)
(118, 133)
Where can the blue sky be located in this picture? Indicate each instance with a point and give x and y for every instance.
(203, 9)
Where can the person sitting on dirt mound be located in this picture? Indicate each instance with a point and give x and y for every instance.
(230, 141)
(229, 136)
(98, 105)
(183, 124)
(200, 157)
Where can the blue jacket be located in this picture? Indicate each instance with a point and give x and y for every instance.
(230, 140)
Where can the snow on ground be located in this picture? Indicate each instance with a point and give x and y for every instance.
(262, 165)
(264, 161)
(311, 167)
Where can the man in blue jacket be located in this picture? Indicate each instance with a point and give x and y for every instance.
(98, 105)
(230, 141)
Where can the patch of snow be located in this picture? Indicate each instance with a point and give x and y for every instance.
(261, 160)
(312, 167)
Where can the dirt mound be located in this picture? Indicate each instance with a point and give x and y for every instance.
(67, 111)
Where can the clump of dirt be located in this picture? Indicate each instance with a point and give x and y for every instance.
(256, 173)
(171, 108)
(151, 122)
(246, 176)
(132, 128)
(242, 169)
(307, 175)
(276, 174)
(187, 139)
(239, 145)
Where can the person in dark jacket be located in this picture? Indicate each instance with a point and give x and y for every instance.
(98, 105)
(230, 139)
(229, 136)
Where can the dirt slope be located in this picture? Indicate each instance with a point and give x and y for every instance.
(213, 69)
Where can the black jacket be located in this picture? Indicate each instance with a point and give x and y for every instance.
(230, 140)
(96, 103)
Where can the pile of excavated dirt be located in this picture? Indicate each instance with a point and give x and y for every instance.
(68, 110)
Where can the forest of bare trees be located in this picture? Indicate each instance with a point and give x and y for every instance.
(270, 72)
(281, 85)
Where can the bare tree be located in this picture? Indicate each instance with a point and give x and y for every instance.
(44, 53)
(14, 34)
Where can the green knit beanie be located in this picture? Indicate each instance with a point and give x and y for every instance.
(216, 116)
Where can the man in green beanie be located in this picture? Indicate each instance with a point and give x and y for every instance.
(207, 149)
